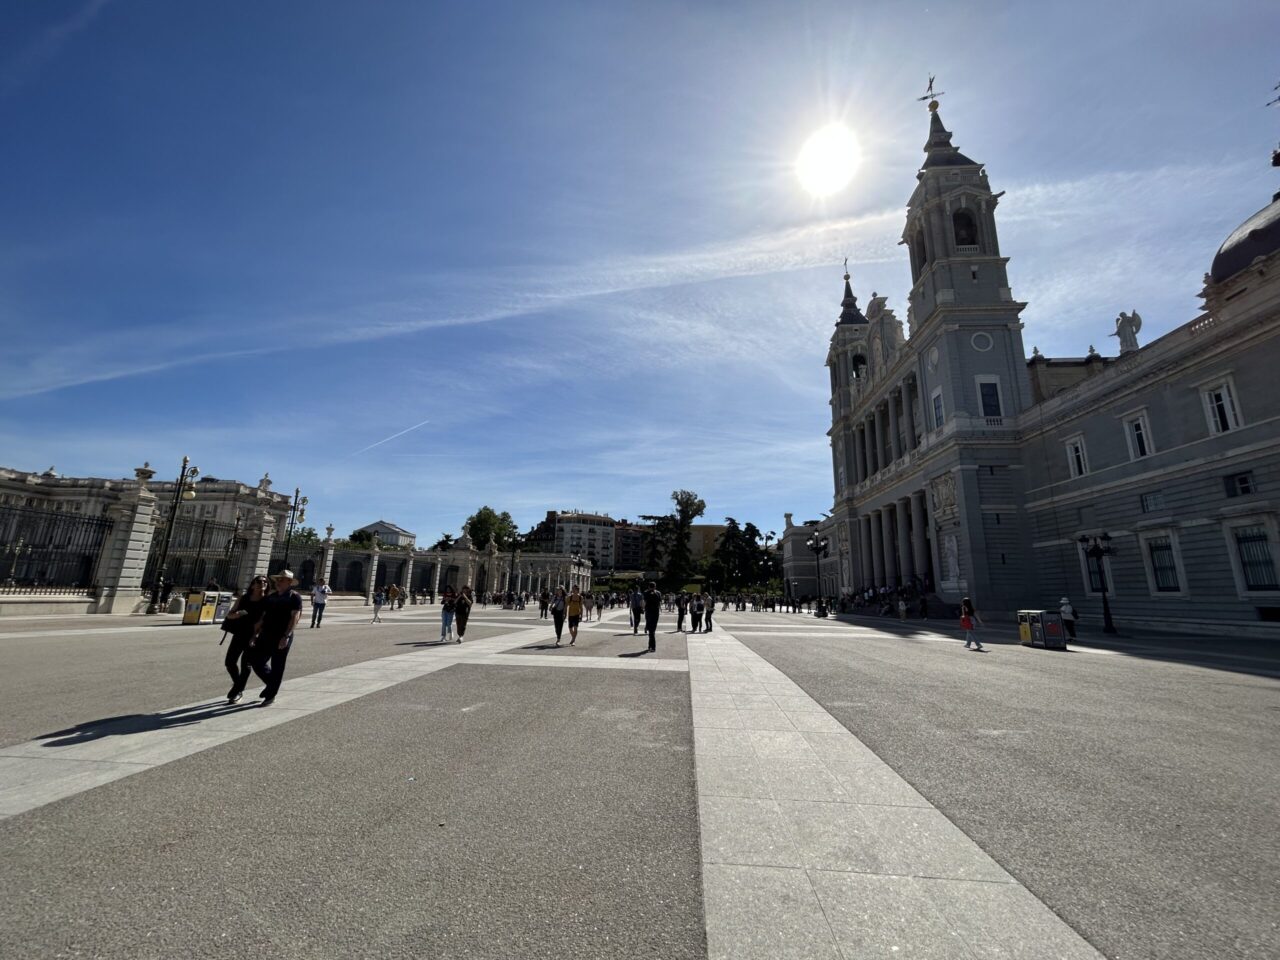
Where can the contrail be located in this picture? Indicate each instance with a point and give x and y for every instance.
(392, 437)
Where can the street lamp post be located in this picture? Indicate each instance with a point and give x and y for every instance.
(297, 514)
(1095, 548)
(17, 550)
(183, 489)
(820, 545)
(517, 543)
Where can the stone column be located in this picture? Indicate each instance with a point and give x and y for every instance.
(374, 558)
(877, 422)
(435, 576)
(890, 556)
(408, 572)
(260, 537)
(919, 545)
(869, 445)
(865, 574)
(859, 455)
(326, 557)
(123, 559)
(905, 566)
(909, 414)
(877, 549)
(895, 444)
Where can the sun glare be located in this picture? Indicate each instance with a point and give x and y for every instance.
(828, 160)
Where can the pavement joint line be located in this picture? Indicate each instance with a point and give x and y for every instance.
(786, 830)
(301, 697)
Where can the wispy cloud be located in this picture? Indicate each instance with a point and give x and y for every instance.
(23, 68)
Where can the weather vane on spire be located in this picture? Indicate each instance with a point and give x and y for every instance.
(846, 268)
(931, 95)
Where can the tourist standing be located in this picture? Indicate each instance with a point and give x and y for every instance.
(241, 623)
(637, 609)
(969, 621)
(652, 608)
(544, 601)
(682, 610)
(710, 605)
(1069, 617)
(573, 610)
(319, 597)
(558, 604)
(462, 610)
(379, 598)
(448, 602)
(696, 608)
(281, 611)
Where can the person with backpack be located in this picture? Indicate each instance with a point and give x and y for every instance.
(448, 603)
(558, 605)
(241, 624)
(969, 621)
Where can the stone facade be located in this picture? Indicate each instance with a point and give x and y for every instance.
(962, 468)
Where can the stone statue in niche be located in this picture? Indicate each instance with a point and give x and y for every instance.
(1127, 327)
(943, 489)
(951, 558)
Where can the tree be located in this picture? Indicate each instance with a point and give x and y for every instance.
(444, 543)
(362, 538)
(487, 522)
(669, 546)
(306, 535)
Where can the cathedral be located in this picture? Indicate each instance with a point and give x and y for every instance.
(1147, 483)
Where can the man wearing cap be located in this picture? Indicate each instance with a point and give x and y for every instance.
(280, 613)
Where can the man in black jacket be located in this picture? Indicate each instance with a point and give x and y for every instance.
(652, 607)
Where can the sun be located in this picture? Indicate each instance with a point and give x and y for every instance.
(828, 160)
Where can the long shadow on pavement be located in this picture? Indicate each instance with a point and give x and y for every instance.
(141, 723)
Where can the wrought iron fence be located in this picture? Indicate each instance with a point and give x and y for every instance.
(304, 561)
(200, 551)
(46, 551)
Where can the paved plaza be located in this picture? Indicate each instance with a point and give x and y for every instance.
(780, 787)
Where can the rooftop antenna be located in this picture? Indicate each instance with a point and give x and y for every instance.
(931, 95)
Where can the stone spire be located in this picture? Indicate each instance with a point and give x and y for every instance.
(849, 312)
(940, 152)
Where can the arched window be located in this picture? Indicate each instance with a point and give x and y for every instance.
(965, 229)
(919, 254)
(859, 366)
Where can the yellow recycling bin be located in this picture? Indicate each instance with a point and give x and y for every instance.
(193, 607)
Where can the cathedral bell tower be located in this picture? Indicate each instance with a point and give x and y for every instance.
(849, 361)
(962, 312)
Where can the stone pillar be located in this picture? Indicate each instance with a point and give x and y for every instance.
(877, 443)
(435, 576)
(868, 446)
(919, 545)
(877, 549)
(260, 537)
(326, 557)
(859, 456)
(890, 557)
(865, 574)
(374, 558)
(905, 565)
(895, 444)
(909, 414)
(123, 559)
(408, 572)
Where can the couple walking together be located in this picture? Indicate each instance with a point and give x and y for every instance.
(261, 625)
(455, 609)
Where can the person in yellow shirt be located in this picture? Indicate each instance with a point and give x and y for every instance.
(573, 608)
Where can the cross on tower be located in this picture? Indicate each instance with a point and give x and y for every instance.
(931, 95)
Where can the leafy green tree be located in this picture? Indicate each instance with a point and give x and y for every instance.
(487, 522)
(444, 543)
(668, 548)
(305, 535)
(362, 538)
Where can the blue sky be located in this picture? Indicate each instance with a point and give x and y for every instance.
(565, 240)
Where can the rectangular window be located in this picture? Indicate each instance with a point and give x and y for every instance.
(1220, 408)
(1164, 567)
(1077, 459)
(990, 395)
(1139, 437)
(1256, 565)
(937, 409)
(1240, 484)
(1151, 502)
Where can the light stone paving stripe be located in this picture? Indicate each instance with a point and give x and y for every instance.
(812, 846)
(41, 771)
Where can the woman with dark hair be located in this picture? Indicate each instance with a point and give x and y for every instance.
(241, 623)
(448, 603)
(462, 610)
(969, 621)
(559, 603)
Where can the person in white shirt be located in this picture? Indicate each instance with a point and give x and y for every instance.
(319, 596)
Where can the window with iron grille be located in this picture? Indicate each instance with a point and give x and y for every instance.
(1151, 502)
(1256, 565)
(1164, 567)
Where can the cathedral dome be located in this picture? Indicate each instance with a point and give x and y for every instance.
(1257, 237)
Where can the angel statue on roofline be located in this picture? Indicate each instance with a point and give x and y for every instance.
(1127, 327)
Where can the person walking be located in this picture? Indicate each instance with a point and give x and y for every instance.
(281, 611)
(462, 610)
(1069, 617)
(241, 624)
(448, 603)
(969, 621)
(710, 605)
(573, 609)
(544, 602)
(652, 608)
(393, 594)
(637, 609)
(902, 609)
(696, 608)
(558, 604)
(319, 597)
(379, 598)
(924, 607)
(682, 610)
(588, 605)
